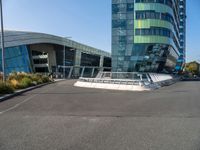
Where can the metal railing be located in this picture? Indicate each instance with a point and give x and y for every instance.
(75, 72)
(124, 75)
(121, 78)
(114, 81)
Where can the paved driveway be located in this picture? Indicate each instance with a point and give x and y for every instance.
(60, 116)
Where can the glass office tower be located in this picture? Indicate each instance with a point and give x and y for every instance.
(146, 35)
(182, 29)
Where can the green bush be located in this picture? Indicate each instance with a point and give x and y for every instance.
(17, 76)
(19, 80)
(40, 81)
(45, 79)
(26, 82)
(36, 78)
(5, 88)
(40, 78)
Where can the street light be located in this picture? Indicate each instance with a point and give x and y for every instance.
(2, 42)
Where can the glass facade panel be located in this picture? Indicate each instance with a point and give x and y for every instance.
(182, 29)
(16, 59)
(151, 39)
(121, 49)
(89, 60)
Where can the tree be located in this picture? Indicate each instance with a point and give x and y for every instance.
(193, 67)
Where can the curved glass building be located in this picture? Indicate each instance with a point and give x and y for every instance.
(45, 53)
(147, 35)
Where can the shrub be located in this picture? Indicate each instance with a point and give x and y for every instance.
(6, 88)
(25, 82)
(17, 76)
(14, 83)
(40, 78)
(21, 80)
(45, 79)
(36, 78)
(40, 81)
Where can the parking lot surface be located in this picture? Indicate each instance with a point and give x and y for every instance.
(60, 116)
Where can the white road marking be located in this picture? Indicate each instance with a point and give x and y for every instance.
(18, 104)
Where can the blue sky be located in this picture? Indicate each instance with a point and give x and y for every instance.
(86, 21)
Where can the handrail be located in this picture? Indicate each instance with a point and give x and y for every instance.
(115, 81)
(125, 78)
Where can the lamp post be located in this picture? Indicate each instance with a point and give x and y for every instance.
(2, 42)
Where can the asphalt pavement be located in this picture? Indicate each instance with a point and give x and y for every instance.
(62, 117)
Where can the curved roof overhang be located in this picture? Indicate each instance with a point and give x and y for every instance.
(16, 38)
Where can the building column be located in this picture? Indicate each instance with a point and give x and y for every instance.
(101, 63)
(77, 62)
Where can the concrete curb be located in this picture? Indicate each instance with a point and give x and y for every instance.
(18, 92)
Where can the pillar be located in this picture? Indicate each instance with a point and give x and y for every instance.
(101, 63)
(77, 62)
